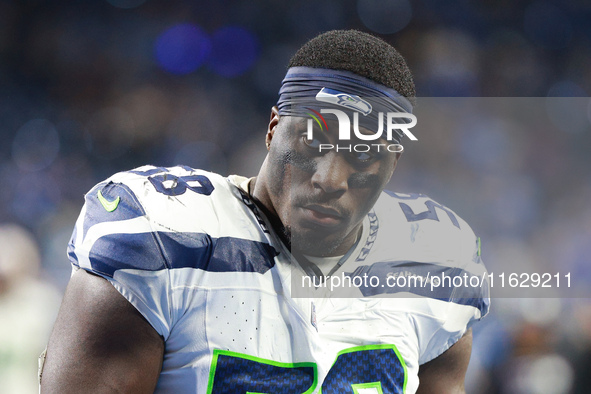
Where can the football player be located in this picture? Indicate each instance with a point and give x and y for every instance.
(185, 281)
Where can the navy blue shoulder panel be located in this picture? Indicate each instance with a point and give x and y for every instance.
(110, 202)
(114, 252)
(179, 250)
(240, 255)
(157, 250)
(122, 200)
(224, 254)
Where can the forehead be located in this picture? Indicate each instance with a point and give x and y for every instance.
(295, 125)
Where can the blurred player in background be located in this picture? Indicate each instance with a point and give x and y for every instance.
(28, 307)
(183, 279)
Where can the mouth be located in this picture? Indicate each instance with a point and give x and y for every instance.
(322, 216)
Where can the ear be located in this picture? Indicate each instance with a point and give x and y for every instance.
(273, 121)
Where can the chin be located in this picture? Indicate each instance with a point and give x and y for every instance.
(315, 244)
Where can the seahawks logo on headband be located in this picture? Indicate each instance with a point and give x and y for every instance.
(345, 100)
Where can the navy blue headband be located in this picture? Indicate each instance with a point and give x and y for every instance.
(304, 88)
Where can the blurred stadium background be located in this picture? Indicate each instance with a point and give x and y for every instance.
(91, 88)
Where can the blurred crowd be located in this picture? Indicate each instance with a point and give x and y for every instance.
(88, 89)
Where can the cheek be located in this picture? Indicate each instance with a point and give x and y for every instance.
(288, 167)
(367, 187)
(279, 175)
(284, 161)
(299, 161)
(374, 178)
(360, 180)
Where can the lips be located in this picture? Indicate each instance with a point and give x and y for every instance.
(322, 215)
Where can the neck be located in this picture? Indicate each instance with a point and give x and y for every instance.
(258, 191)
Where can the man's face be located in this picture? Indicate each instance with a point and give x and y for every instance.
(321, 198)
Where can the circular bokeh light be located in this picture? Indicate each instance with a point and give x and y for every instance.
(182, 48)
(233, 51)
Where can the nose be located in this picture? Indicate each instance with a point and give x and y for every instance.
(332, 174)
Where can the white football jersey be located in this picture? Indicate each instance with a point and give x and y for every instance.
(200, 262)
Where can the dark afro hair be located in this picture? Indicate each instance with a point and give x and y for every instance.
(360, 53)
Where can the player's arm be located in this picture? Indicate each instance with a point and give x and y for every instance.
(446, 373)
(100, 343)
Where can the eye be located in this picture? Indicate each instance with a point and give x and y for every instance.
(314, 143)
(363, 157)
